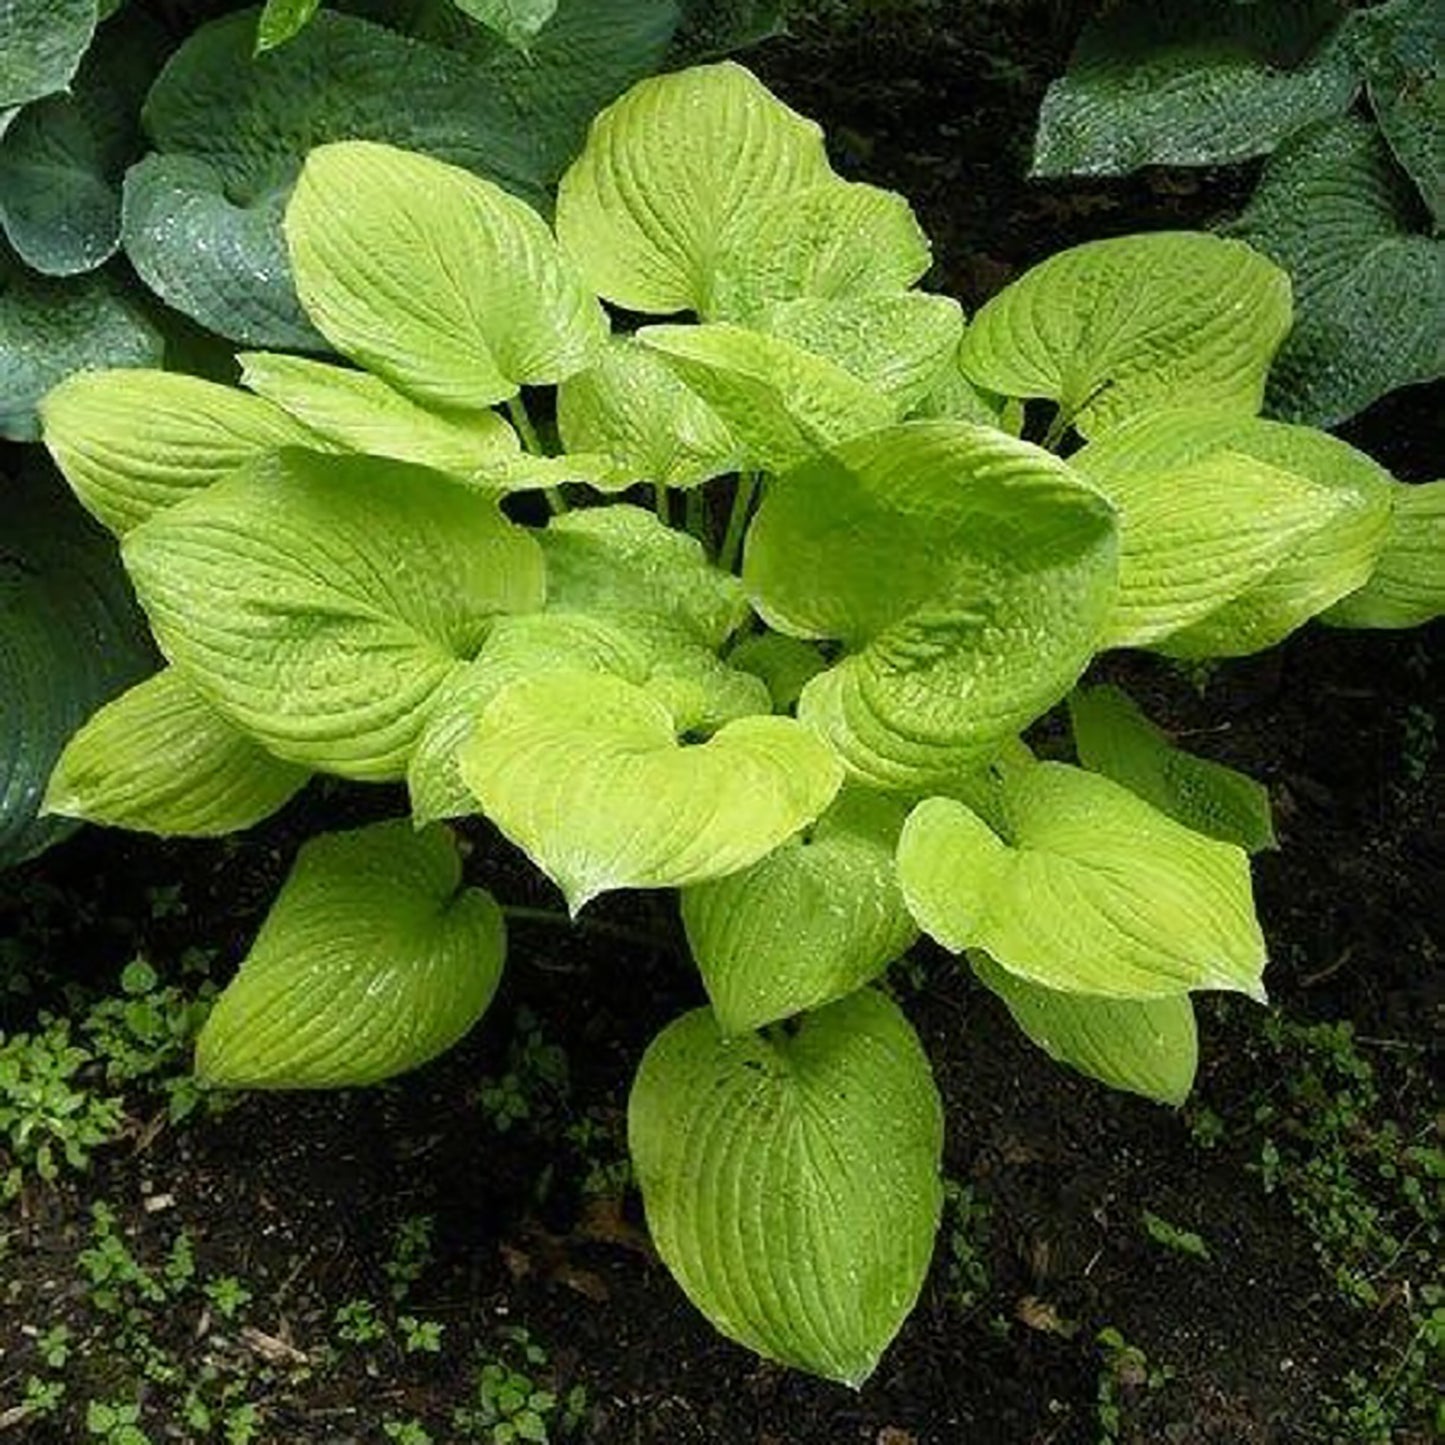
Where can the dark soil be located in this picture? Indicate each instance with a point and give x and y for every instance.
(299, 1196)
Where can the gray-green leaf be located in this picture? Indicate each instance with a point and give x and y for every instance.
(1338, 214)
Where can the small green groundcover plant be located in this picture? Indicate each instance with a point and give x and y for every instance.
(803, 710)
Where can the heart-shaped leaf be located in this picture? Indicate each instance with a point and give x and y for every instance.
(1336, 211)
(1112, 737)
(1146, 1046)
(1407, 587)
(819, 917)
(133, 442)
(585, 774)
(1094, 891)
(62, 160)
(666, 170)
(489, 304)
(1113, 328)
(71, 637)
(791, 1182)
(283, 20)
(373, 960)
(319, 602)
(358, 411)
(518, 22)
(160, 759)
(967, 574)
(1193, 83)
(1147, 459)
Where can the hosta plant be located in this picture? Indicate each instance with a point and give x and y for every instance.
(756, 600)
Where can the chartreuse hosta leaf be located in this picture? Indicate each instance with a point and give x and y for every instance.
(1093, 890)
(1146, 1046)
(967, 574)
(373, 959)
(1112, 737)
(782, 402)
(791, 1181)
(160, 759)
(1407, 587)
(899, 344)
(832, 241)
(1113, 328)
(785, 664)
(666, 169)
(631, 406)
(525, 645)
(132, 442)
(1147, 458)
(584, 772)
(487, 304)
(319, 602)
(816, 919)
(358, 411)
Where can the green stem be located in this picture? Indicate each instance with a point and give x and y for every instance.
(660, 502)
(1057, 427)
(696, 516)
(732, 545)
(558, 919)
(517, 410)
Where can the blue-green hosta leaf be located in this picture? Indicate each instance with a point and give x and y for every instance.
(791, 1182)
(518, 22)
(1146, 1046)
(319, 602)
(283, 20)
(666, 170)
(585, 774)
(832, 241)
(782, 403)
(967, 574)
(62, 160)
(71, 637)
(1193, 83)
(1337, 213)
(1407, 587)
(1112, 737)
(899, 344)
(358, 411)
(631, 406)
(816, 919)
(785, 664)
(526, 645)
(52, 328)
(1093, 892)
(44, 43)
(374, 959)
(160, 759)
(487, 304)
(133, 442)
(202, 217)
(1327, 561)
(621, 561)
(1113, 328)
(1399, 44)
